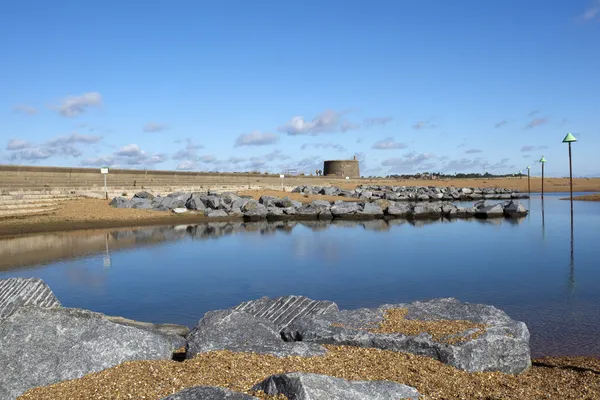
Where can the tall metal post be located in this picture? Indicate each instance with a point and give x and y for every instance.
(105, 189)
(543, 161)
(569, 139)
(529, 180)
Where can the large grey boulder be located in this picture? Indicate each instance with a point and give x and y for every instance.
(208, 393)
(329, 191)
(398, 210)
(371, 210)
(120, 202)
(239, 331)
(143, 195)
(216, 213)
(503, 346)
(42, 346)
(268, 200)
(491, 211)
(283, 310)
(344, 209)
(308, 211)
(195, 202)
(307, 386)
(427, 210)
(141, 203)
(254, 211)
(19, 292)
(514, 209)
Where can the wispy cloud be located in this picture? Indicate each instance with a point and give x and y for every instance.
(473, 151)
(500, 124)
(72, 106)
(476, 165)
(187, 165)
(528, 148)
(536, 122)
(374, 121)
(23, 109)
(189, 152)
(256, 138)
(128, 155)
(333, 146)
(63, 146)
(409, 162)
(155, 127)
(326, 122)
(18, 144)
(388, 143)
(592, 11)
(534, 112)
(424, 125)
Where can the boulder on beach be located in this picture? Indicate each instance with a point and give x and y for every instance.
(239, 331)
(42, 346)
(501, 345)
(208, 393)
(307, 386)
(20, 292)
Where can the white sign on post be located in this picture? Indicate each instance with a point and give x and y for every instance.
(347, 177)
(104, 170)
(282, 176)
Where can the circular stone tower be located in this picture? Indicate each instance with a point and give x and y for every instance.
(342, 168)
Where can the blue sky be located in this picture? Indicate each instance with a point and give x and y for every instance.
(406, 86)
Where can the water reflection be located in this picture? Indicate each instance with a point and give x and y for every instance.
(543, 220)
(31, 251)
(572, 256)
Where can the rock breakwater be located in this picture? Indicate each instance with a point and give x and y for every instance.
(414, 193)
(230, 205)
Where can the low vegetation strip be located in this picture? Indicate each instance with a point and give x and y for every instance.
(587, 197)
(154, 380)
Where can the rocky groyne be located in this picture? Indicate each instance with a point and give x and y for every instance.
(44, 343)
(414, 193)
(230, 205)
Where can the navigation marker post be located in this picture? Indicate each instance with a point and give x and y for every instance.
(543, 161)
(529, 179)
(104, 171)
(569, 139)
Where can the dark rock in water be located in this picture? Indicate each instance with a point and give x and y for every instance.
(371, 210)
(495, 210)
(195, 202)
(143, 195)
(239, 331)
(449, 210)
(120, 202)
(254, 211)
(19, 292)
(284, 310)
(307, 386)
(307, 211)
(465, 212)
(216, 213)
(504, 346)
(399, 210)
(514, 209)
(268, 200)
(208, 393)
(344, 209)
(427, 210)
(42, 346)
(321, 204)
(284, 203)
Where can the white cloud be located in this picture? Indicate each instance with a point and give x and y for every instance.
(388, 144)
(18, 144)
(326, 122)
(131, 155)
(473, 151)
(236, 160)
(334, 146)
(187, 165)
(409, 162)
(256, 138)
(72, 106)
(592, 11)
(74, 138)
(189, 152)
(24, 109)
(155, 127)
(373, 121)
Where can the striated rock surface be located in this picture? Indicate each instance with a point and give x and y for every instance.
(306, 386)
(19, 292)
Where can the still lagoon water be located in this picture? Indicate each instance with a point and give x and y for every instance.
(543, 269)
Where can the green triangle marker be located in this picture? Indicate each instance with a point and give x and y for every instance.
(542, 159)
(569, 138)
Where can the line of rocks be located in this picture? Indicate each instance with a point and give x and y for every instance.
(413, 193)
(44, 343)
(227, 205)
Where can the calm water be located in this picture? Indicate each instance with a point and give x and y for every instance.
(538, 269)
